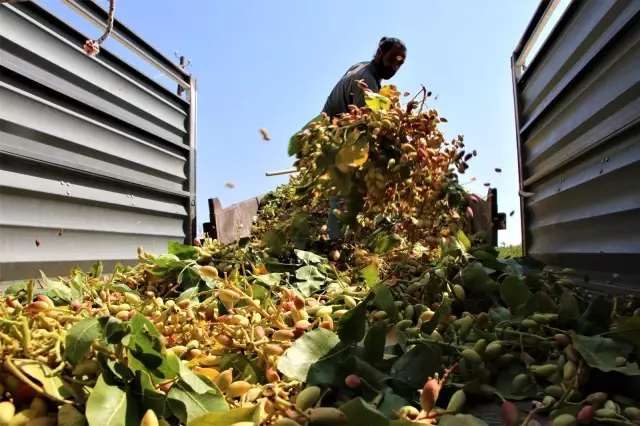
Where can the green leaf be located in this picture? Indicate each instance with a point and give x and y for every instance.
(113, 371)
(374, 341)
(275, 238)
(113, 330)
(292, 148)
(69, 415)
(269, 279)
(460, 420)
(222, 309)
(309, 279)
(376, 101)
(181, 251)
(51, 383)
(168, 263)
(169, 369)
(122, 288)
(96, 270)
(569, 311)
(329, 370)
(305, 351)
(416, 366)
(385, 302)
(452, 247)
(237, 415)
(189, 277)
(80, 338)
(77, 284)
(359, 412)
(112, 406)
(259, 292)
(596, 318)
(370, 275)
(144, 344)
(475, 279)
(56, 290)
(300, 230)
(488, 260)
(463, 240)
(188, 294)
(382, 241)
(16, 288)
(147, 352)
(514, 292)
(352, 156)
(629, 329)
(309, 258)
(390, 405)
(601, 353)
(541, 303)
(512, 266)
(242, 366)
(355, 364)
(194, 382)
(147, 394)
(498, 315)
(352, 326)
(441, 313)
(188, 405)
(505, 380)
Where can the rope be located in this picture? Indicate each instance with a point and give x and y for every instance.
(92, 47)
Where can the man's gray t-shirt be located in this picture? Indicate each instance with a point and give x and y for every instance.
(347, 91)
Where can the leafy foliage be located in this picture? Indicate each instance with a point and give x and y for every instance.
(406, 316)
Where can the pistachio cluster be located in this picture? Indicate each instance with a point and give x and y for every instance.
(394, 158)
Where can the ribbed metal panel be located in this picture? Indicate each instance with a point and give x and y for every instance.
(578, 128)
(96, 158)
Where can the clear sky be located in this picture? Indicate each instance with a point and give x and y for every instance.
(271, 64)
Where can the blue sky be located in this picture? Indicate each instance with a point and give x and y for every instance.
(272, 65)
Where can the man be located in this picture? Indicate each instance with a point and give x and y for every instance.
(387, 61)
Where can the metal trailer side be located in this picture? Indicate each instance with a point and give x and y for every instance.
(577, 111)
(96, 158)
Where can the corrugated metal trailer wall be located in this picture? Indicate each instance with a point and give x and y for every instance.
(578, 128)
(96, 158)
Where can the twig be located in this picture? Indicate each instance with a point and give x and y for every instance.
(435, 414)
(532, 413)
(17, 371)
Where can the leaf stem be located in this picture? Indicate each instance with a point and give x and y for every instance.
(569, 388)
(26, 336)
(613, 421)
(425, 341)
(30, 292)
(519, 333)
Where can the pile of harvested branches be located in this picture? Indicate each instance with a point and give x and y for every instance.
(383, 328)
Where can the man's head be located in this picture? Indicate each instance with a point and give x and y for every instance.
(389, 57)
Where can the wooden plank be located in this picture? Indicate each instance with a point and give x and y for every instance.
(227, 220)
